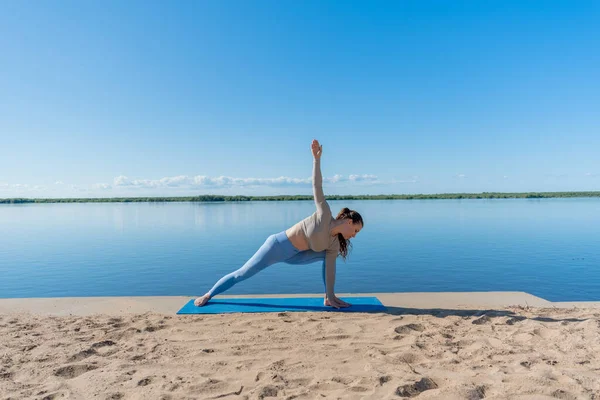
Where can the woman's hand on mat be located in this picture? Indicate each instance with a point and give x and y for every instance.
(317, 149)
(336, 303)
(200, 301)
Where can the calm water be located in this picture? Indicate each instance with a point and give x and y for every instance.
(545, 247)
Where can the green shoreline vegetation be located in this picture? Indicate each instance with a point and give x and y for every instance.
(220, 198)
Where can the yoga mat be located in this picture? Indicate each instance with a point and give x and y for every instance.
(299, 304)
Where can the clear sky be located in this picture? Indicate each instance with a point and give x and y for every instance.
(126, 98)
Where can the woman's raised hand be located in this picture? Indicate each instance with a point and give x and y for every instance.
(316, 149)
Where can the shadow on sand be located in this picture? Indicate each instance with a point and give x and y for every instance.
(480, 313)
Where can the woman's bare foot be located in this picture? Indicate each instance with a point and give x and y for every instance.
(342, 303)
(200, 301)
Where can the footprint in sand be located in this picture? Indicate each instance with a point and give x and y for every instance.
(82, 355)
(409, 328)
(72, 371)
(116, 322)
(345, 380)
(145, 382)
(526, 364)
(384, 379)
(514, 320)
(416, 388)
(483, 320)
(103, 344)
(561, 394)
(210, 385)
(55, 395)
(268, 391)
(153, 328)
(476, 393)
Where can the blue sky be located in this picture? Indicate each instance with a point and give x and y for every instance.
(114, 98)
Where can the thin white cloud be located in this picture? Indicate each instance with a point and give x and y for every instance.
(201, 181)
(121, 181)
(20, 187)
(25, 189)
(184, 182)
(592, 175)
(366, 178)
(461, 176)
(363, 178)
(415, 179)
(335, 179)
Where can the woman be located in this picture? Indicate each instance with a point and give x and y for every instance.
(318, 237)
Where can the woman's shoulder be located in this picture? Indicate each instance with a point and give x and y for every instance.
(324, 212)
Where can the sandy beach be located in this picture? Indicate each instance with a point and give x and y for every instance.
(509, 352)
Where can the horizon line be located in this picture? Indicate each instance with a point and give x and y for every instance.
(238, 198)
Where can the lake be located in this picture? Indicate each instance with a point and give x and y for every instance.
(546, 247)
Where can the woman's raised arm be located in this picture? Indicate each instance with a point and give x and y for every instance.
(318, 194)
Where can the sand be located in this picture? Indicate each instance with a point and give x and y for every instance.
(502, 353)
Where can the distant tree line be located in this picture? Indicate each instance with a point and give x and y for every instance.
(219, 198)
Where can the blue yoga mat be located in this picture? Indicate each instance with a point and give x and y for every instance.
(254, 305)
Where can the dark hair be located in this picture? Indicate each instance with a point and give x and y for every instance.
(345, 245)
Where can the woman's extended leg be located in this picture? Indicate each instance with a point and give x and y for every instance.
(309, 257)
(277, 248)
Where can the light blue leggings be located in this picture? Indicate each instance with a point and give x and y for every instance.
(277, 248)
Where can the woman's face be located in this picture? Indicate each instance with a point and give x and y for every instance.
(350, 229)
